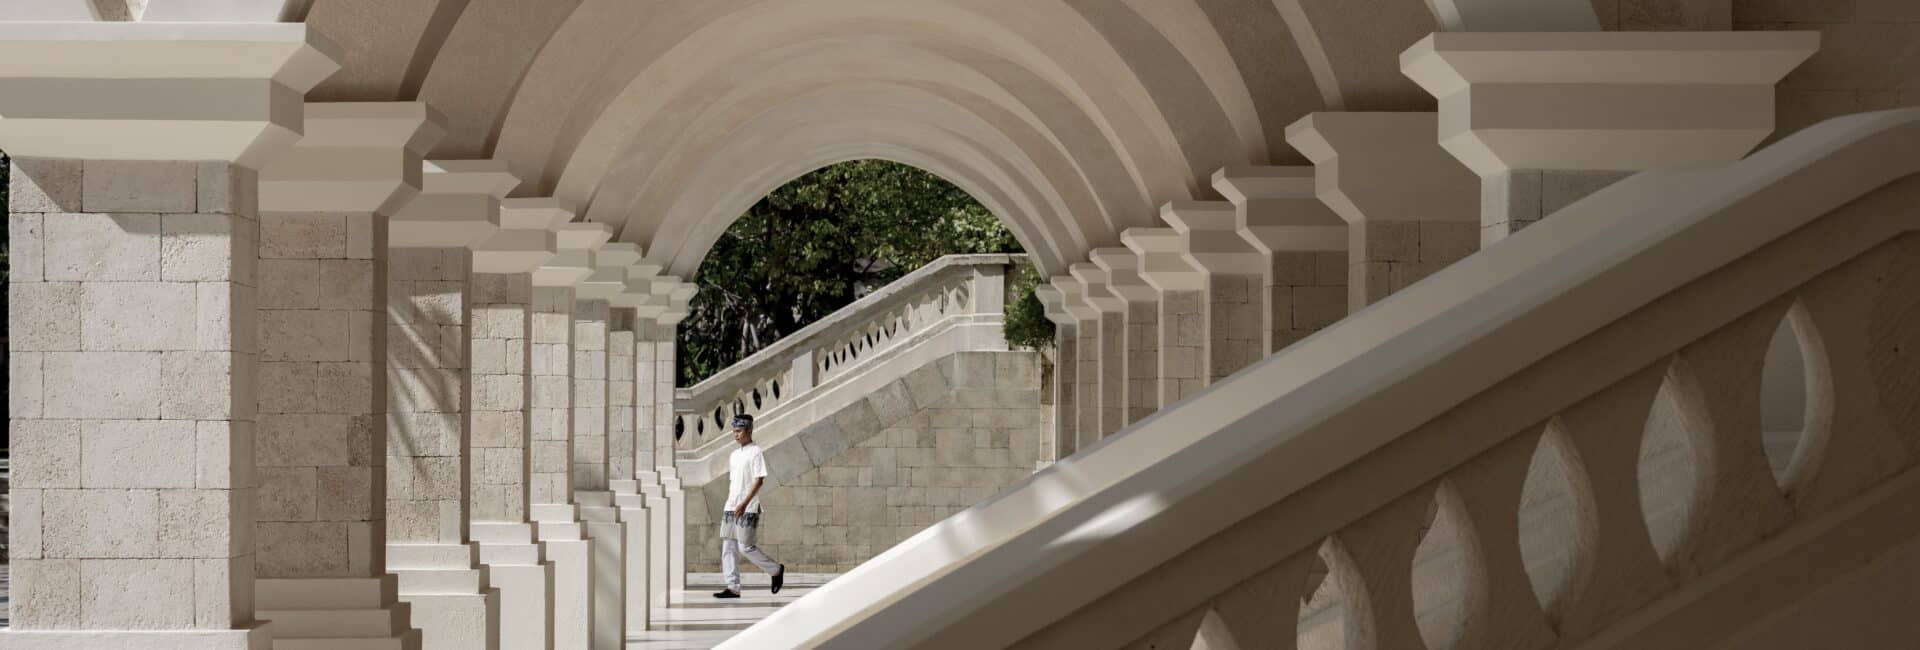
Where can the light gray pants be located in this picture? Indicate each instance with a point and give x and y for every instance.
(730, 565)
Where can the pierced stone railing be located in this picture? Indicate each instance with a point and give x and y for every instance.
(1410, 441)
(779, 385)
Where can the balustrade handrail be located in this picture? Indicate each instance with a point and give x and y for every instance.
(1337, 433)
(775, 359)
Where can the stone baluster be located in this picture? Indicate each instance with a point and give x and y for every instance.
(1234, 303)
(550, 450)
(1304, 243)
(1411, 208)
(1497, 607)
(500, 361)
(1182, 321)
(320, 444)
(1833, 323)
(1141, 363)
(1110, 333)
(1370, 560)
(1645, 100)
(429, 250)
(1066, 345)
(131, 344)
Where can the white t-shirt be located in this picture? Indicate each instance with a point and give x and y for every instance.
(746, 463)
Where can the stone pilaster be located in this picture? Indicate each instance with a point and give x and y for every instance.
(1110, 327)
(589, 379)
(1182, 319)
(1303, 245)
(1141, 364)
(131, 329)
(1066, 345)
(675, 297)
(429, 445)
(1411, 208)
(1086, 371)
(1647, 100)
(620, 395)
(1234, 303)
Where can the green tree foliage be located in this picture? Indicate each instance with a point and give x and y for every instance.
(819, 243)
(1027, 324)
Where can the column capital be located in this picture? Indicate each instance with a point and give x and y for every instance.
(638, 287)
(1610, 101)
(526, 239)
(157, 91)
(1210, 237)
(1276, 209)
(1162, 265)
(1123, 275)
(674, 297)
(358, 157)
(1073, 299)
(1096, 291)
(610, 262)
(458, 205)
(1385, 167)
(572, 262)
(1053, 302)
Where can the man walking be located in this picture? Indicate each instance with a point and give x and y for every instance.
(740, 523)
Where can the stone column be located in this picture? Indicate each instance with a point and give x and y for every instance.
(556, 517)
(321, 441)
(676, 297)
(429, 259)
(1141, 364)
(1233, 270)
(1110, 333)
(1410, 207)
(653, 390)
(592, 451)
(1066, 345)
(501, 360)
(1086, 372)
(131, 326)
(1183, 327)
(1303, 245)
(1505, 98)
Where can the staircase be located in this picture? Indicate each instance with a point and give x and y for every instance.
(335, 614)
(1348, 470)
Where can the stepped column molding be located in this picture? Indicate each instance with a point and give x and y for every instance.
(430, 246)
(1234, 270)
(1546, 119)
(320, 444)
(1110, 333)
(592, 451)
(1304, 246)
(1141, 361)
(501, 360)
(1411, 208)
(556, 515)
(1183, 327)
(674, 297)
(1066, 345)
(1086, 372)
(131, 343)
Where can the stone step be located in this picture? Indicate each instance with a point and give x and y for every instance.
(510, 554)
(489, 532)
(624, 487)
(464, 582)
(630, 500)
(324, 593)
(401, 557)
(408, 641)
(546, 512)
(599, 513)
(560, 531)
(594, 498)
(334, 623)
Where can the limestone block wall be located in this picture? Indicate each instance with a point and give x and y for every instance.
(1065, 387)
(1143, 360)
(1113, 372)
(130, 375)
(1397, 254)
(920, 449)
(646, 413)
(1234, 320)
(552, 395)
(620, 397)
(426, 368)
(1308, 291)
(1183, 339)
(1087, 378)
(590, 395)
(502, 305)
(320, 450)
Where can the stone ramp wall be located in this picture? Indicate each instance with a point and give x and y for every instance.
(940, 439)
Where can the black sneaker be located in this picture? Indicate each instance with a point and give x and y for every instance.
(726, 593)
(779, 578)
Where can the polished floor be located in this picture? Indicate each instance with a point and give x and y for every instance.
(702, 621)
